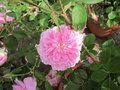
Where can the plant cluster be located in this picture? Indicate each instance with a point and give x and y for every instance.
(109, 12)
(43, 47)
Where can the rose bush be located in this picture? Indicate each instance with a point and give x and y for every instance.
(43, 43)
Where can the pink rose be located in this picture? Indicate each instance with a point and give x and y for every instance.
(52, 78)
(62, 49)
(27, 84)
(3, 56)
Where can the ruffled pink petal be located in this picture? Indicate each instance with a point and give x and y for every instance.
(30, 83)
(20, 83)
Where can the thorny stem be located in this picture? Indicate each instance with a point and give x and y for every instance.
(5, 76)
(52, 10)
(61, 6)
(44, 8)
(64, 14)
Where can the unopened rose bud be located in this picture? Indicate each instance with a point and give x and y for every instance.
(95, 17)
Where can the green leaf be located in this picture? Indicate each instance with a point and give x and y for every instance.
(32, 17)
(79, 17)
(98, 75)
(12, 14)
(21, 1)
(110, 23)
(82, 74)
(31, 57)
(105, 56)
(118, 78)
(108, 44)
(109, 85)
(95, 66)
(112, 15)
(10, 75)
(11, 42)
(75, 77)
(114, 65)
(90, 85)
(72, 86)
(17, 70)
(1, 79)
(64, 80)
(89, 40)
(39, 75)
(118, 9)
(19, 34)
(44, 20)
(48, 86)
(90, 1)
(109, 9)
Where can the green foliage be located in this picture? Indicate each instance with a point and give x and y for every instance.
(48, 86)
(108, 44)
(89, 39)
(11, 42)
(19, 34)
(109, 85)
(95, 66)
(72, 86)
(82, 74)
(110, 15)
(39, 75)
(99, 75)
(79, 17)
(90, 1)
(31, 17)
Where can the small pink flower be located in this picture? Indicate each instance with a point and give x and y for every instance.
(89, 59)
(94, 17)
(52, 78)
(3, 56)
(62, 49)
(27, 84)
(4, 18)
(9, 11)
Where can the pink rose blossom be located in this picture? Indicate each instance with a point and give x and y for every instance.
(3, 56)
(27, 84)
(61, 50)
(94, 17)
(52, 78)
(4, 18)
